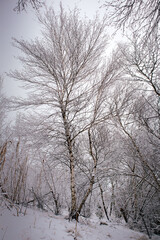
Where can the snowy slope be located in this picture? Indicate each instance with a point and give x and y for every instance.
(36, 225)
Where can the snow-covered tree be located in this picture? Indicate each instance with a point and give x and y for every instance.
(68, 78)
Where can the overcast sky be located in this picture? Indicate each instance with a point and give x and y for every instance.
(25, 26)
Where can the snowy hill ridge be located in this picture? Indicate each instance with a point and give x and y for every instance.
(36, 225)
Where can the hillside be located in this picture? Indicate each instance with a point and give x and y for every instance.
(36, 225)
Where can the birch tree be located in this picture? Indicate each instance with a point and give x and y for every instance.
(68, 78)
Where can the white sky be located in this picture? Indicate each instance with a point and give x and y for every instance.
(24, 26)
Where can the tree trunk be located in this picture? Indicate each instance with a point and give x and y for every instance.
(72, 165)
(112, 206)
(76, 215)
(124, 214)
(105, 210)
(84, 199)
(73, 190)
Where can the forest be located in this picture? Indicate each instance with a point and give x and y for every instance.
(87, 134)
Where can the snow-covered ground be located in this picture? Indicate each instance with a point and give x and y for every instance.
(36, 225)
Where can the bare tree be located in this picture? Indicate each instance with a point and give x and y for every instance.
(126, 117)
(67, 75)
(14, 170)
(22, 4)
(141, 66)
(142, 61)
(143, 16)
(3, 110)
(141, 158)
